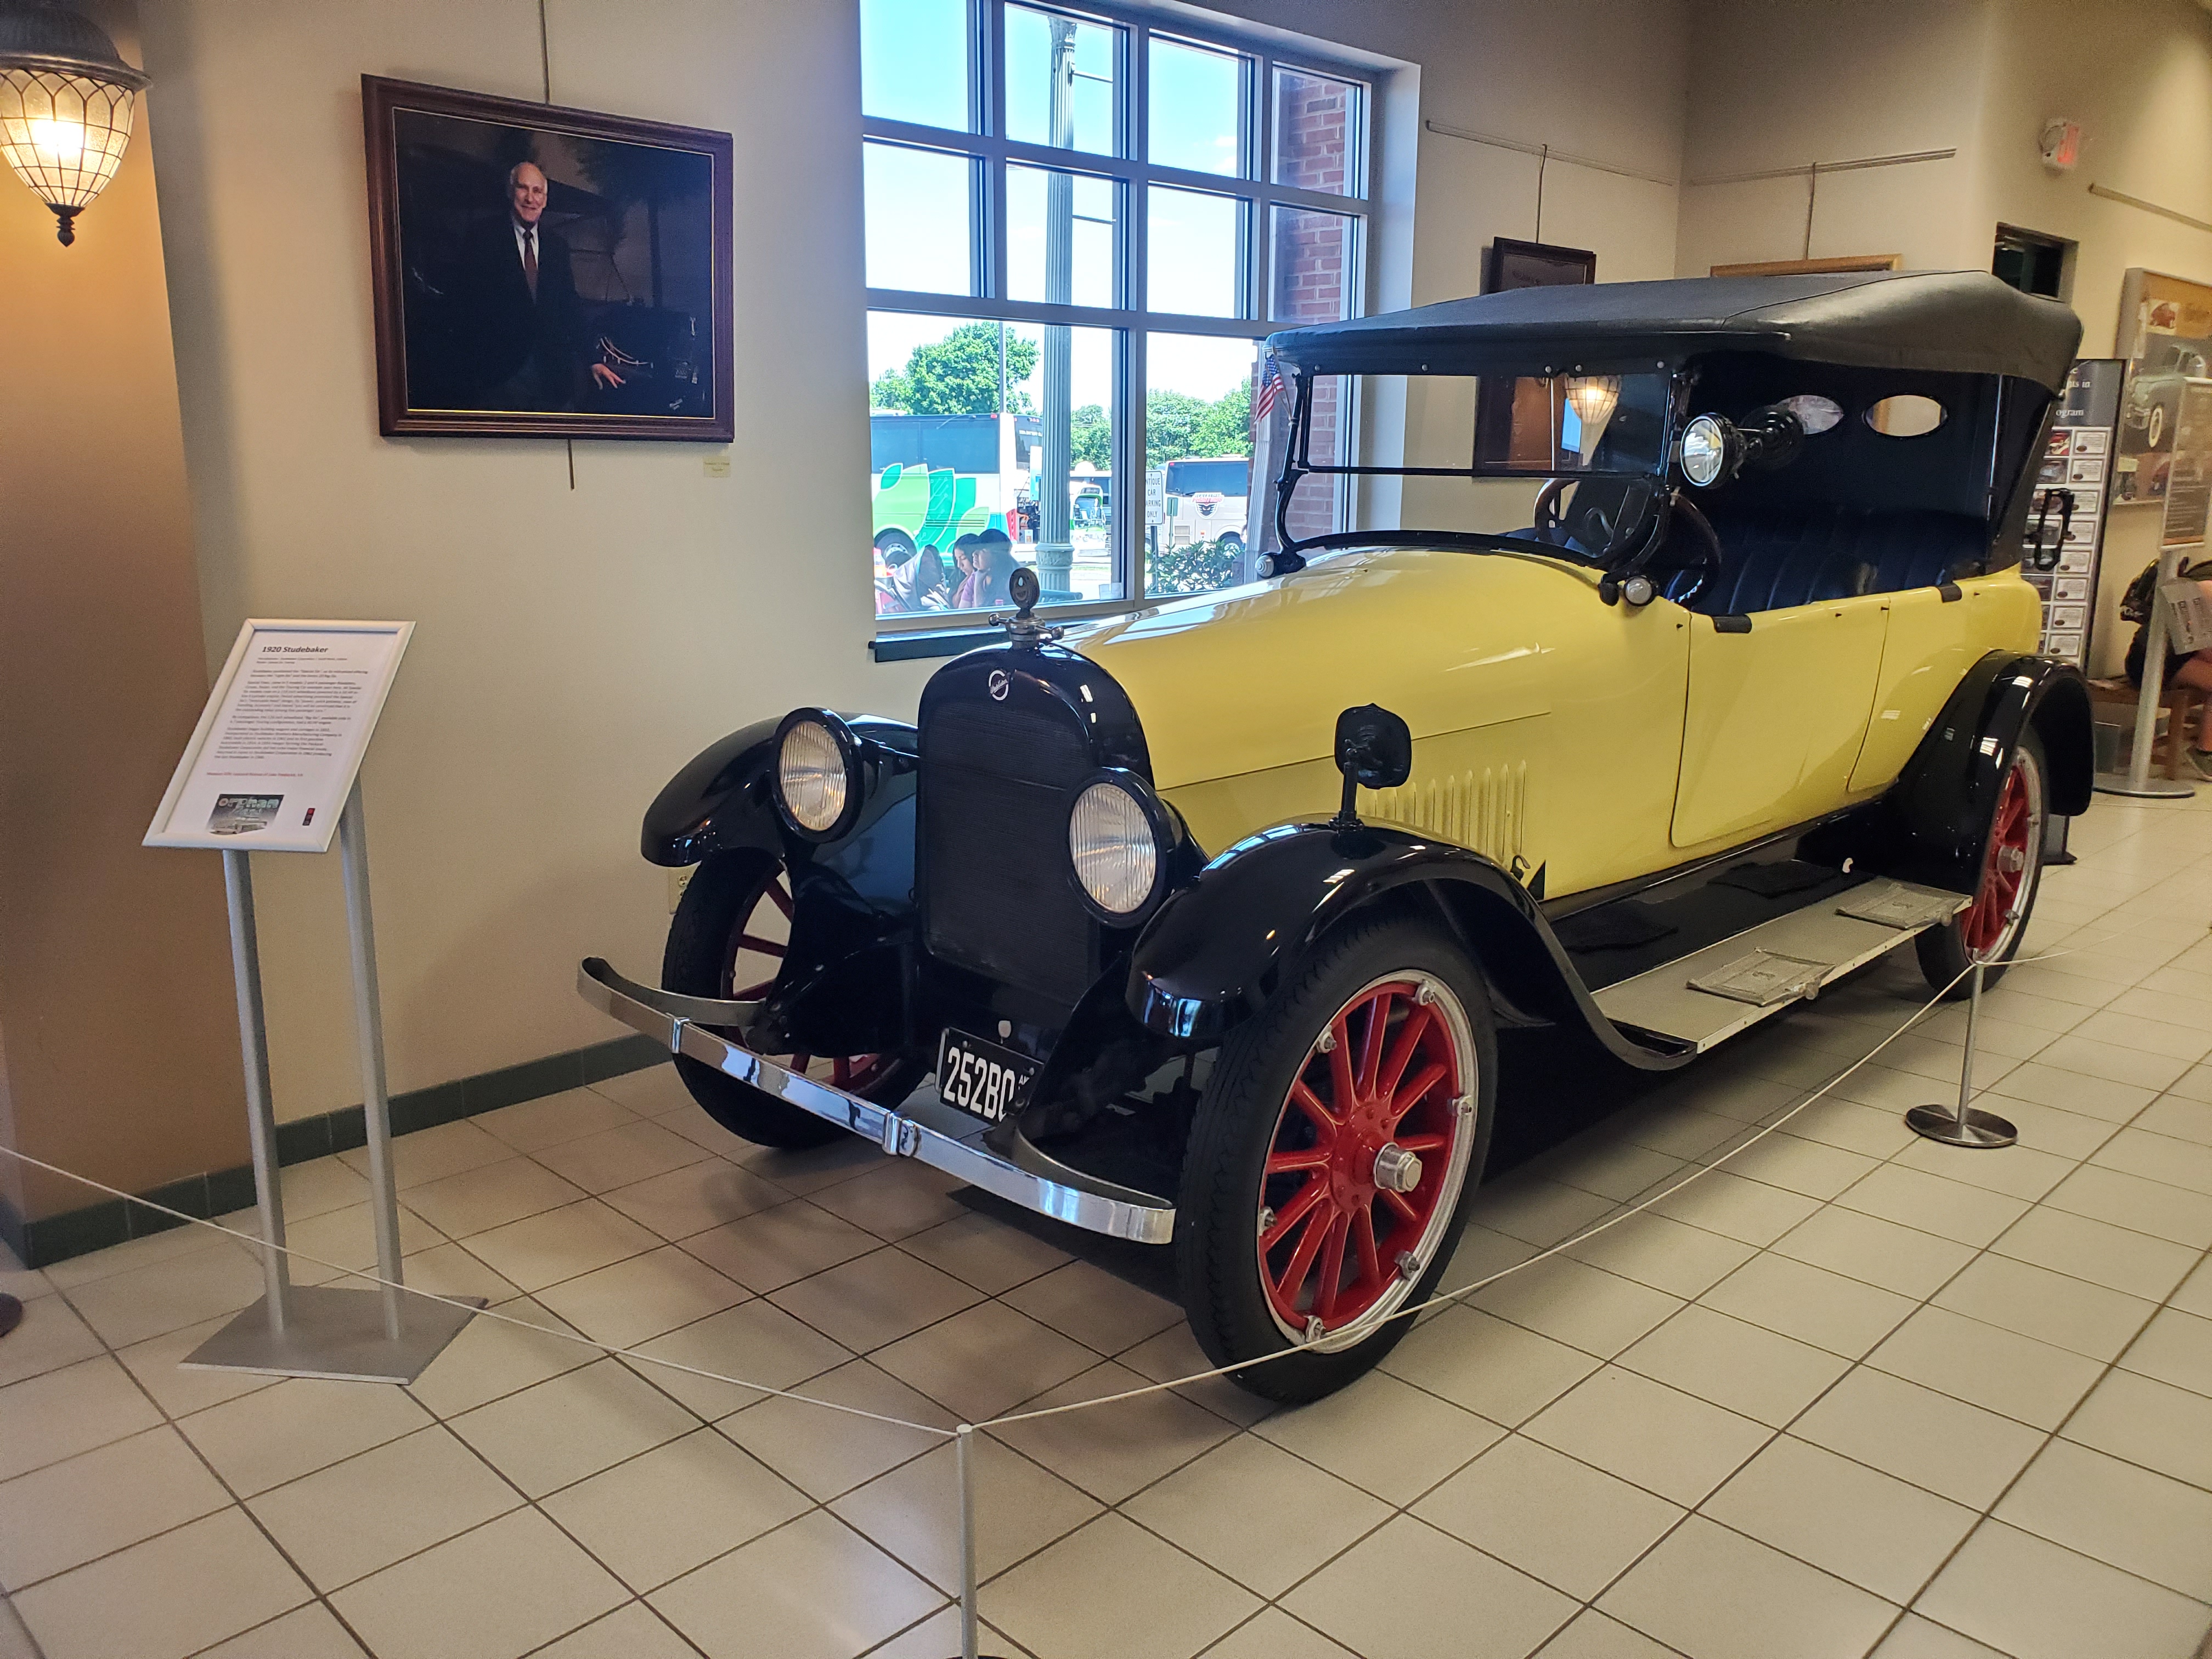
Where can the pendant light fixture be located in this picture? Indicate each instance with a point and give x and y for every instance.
(65, 104)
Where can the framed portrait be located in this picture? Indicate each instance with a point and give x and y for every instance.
(546, 272)
(1507, 264)
(1512, 424)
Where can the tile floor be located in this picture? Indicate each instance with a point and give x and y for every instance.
(1854, 1394)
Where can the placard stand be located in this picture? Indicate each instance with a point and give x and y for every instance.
(279, 744)
(307, 1330)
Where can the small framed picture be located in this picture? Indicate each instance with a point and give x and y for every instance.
(2092, 443)
(546, 272)
(2086, 470)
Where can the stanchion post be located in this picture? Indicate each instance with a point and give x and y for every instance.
(261, 1114)
(965, 1458)
(1968, 1126)
(368, 1028)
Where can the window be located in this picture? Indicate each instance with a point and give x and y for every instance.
(1078, 229)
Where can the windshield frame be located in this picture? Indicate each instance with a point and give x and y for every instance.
(1298, 462)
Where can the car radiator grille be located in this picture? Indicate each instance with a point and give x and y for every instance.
(997, 894)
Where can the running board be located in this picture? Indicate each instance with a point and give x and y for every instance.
(1774, 965)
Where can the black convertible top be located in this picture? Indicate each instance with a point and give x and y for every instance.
(1955, 321)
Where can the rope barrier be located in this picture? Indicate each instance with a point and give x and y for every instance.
(1612, 1221)
(252, 1243)
(1445, 1299)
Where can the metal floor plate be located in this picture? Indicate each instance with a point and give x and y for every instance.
(1661, 1001)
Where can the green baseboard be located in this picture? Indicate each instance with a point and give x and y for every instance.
(218, 1192)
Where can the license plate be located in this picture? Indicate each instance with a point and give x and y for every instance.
(981, 1076)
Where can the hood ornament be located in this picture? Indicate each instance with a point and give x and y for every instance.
(1022, 629)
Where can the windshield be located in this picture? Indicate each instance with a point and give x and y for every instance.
(1229, 477)
(1479, 450)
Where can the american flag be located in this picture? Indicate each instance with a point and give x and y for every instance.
(1265, 402)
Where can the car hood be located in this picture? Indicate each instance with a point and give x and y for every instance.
(1254, 678)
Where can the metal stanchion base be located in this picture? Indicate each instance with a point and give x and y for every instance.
(1974, 1127)
(335, 1333)
(2115, 783)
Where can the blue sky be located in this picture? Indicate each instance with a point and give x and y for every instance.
(913, 68)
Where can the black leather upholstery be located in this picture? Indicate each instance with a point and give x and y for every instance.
(1774, 559)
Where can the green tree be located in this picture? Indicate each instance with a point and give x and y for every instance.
(1090, 437)
(1227, 427)
(958, 375)
(1171, 423)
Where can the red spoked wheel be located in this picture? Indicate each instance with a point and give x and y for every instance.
(1367, 1159)
(2016, 840)
(729, 940)
(1988, 931)
(759, 939)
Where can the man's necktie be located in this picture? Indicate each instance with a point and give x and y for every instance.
(530, 261)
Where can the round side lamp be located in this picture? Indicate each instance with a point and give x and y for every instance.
(65, 102)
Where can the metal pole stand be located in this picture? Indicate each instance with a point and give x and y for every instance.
(303, 1330)
(2136, 780)
(963, 1456)
(1968, 1126)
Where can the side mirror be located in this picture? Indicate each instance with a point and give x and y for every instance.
(1374, 751)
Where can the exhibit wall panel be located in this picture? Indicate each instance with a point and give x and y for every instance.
(577, 644)
(118, 1041)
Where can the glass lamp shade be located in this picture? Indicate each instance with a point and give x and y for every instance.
(1593, 398)
(65, 105)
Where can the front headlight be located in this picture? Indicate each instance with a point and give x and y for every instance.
(817, 758)
(1114, 841)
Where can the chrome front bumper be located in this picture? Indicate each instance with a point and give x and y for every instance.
(934, 1134)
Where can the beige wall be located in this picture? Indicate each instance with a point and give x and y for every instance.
(1787, 83)
(119, 1041)
(576, 645)
(2138, 77)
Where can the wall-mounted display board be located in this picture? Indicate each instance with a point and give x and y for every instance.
(2166, 338)
(2066, 517)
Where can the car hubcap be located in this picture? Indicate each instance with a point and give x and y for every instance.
(755, 958)
(1369, 1153)
(1992, 921)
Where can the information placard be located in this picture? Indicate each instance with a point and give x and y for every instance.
(274, 756)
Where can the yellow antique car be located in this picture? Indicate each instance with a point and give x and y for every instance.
(1710, 679)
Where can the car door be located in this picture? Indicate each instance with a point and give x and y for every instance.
(1776, 717)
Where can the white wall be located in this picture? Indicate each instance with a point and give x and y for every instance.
(578, 644)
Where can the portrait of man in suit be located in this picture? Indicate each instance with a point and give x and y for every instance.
(518, 316)
(548, 273)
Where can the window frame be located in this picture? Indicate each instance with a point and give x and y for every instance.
(990, 152)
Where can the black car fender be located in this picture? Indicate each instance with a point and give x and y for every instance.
(842, 989)
(723, 798)
(1218, 948)
(1935, 822)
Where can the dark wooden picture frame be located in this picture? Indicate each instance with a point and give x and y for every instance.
(1507, 264)
(585, 323)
